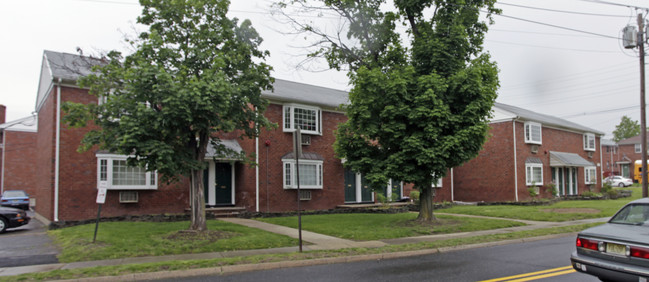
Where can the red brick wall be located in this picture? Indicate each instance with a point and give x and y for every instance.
(491, 176)
(629, 152)
(610, 155)
(19, 157)
(44, 160)
(272, 196)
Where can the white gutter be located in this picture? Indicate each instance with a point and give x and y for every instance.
(57, 151)
(515, 163)
(257, 174)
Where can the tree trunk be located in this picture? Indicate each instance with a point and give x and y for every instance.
(198, 222)
(426, 204)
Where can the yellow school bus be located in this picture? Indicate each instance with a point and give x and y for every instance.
(637, 170)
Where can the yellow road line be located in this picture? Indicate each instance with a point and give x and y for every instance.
(544, 276)
(531, 274)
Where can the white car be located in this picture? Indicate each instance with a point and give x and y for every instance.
(618, 181)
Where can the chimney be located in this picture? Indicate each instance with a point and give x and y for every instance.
(3, 112)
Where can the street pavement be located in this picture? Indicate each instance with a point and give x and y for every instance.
(315, 242)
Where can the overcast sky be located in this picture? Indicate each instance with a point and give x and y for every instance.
(585, 77)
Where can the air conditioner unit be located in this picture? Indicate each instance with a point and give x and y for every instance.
(126, 197)
(305, 195)
(306, 139)
(534, 149)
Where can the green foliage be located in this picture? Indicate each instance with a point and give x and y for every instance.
(591, 194)
(415, 111)
(195, 72)
(552, 189)
(414, 196)
(626, 129)
(533, 191)
(381, 198)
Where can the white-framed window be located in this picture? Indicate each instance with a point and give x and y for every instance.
(438, 184)
(114, 173)
(310, 174)
(533, 133)
(589, 142)
(590, 173)
(533, 174)
(307, 118)
(638, 148)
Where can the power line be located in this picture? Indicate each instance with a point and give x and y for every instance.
(563, 11)
(554, 48)
(615, 4)
(601, 111)
(555, 26)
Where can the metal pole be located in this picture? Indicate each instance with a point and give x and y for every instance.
(298, 152)
(97, 223)
(643, 122)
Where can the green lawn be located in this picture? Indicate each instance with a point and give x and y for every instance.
(560, 211)
(136, 239)
(364, 227)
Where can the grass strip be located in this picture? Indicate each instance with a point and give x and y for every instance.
(195, 264)
(138, 239)
(368, 226)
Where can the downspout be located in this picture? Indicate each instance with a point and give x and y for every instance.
(601, 165)
(257, 174)
(4, 144)
(57, 153)
(452, 187)
(515, 163)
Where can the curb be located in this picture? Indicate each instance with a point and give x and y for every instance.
(232, 269)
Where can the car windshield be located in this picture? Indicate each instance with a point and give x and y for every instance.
(13, 194)
(635, 214)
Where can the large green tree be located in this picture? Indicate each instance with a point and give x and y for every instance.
(420, 101)
(194, 73)
(626, 129)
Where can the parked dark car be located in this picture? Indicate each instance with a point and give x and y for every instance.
(619, 249)
(12, 217)
(15, 199)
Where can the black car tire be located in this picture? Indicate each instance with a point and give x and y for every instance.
(3, 225)
(621, 184)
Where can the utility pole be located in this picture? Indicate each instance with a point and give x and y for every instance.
(643, 122)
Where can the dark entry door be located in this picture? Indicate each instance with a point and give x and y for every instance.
(223, 183)
(350, 186)
(366, 190)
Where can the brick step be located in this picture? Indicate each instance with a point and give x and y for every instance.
(225, 211)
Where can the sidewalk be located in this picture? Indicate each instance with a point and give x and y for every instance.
(314, 241)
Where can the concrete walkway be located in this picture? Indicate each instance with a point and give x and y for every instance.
(315, 242)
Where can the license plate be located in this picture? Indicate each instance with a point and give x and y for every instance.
(14, 201)
(616, 249)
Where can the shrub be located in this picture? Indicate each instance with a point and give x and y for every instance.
(533, 191)
(552, 189)
(591, 194)
(414, 196)
(381, 198)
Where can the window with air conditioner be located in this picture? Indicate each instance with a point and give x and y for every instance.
(307, 118)
(590, 175)
(589, 142)
(533, 133)
(310, 174)
(114, 173)
(533, 174)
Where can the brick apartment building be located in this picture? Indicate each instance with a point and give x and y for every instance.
(525, 148)
(528, 149)
(630, 151)
(67, 187)
(612, 160)
(18, 139)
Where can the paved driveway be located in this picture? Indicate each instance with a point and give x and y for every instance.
(27, 245)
